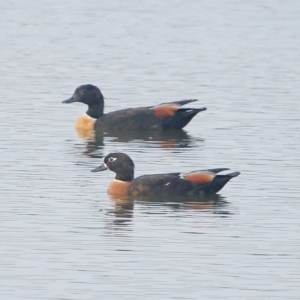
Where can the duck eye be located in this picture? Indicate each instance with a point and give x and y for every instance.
(111, 159)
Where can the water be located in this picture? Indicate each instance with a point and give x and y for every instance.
(62, 237)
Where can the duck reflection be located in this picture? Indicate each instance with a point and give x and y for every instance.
(123, 210)
(94, 146)
(210, 202)
(164, 139)
(172, 139)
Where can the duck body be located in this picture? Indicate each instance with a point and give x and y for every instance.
(179, 185)
(190, 184)
(164, 116)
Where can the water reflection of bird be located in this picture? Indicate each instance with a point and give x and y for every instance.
(94, 146)
(171, 139)
(163, 139)
(123, 209)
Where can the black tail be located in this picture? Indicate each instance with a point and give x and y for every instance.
(219, 182)
(182, 117)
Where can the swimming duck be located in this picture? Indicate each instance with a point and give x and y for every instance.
(186, 184)
(159, 117)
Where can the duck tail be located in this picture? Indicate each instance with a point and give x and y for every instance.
(182, 117)
(219, 182)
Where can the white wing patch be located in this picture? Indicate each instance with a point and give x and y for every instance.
(226, 172)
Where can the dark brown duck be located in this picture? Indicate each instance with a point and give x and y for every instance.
(187, 184)
(159, 117)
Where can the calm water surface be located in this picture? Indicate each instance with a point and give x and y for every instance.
(62, 237)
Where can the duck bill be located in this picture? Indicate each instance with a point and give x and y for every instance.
(103, 167)
(71, 100)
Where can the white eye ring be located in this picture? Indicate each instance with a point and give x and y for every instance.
(111, 159)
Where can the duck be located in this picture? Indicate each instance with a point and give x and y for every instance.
(197, 183)
(163, 116)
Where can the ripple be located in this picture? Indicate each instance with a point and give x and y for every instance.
(64, 237)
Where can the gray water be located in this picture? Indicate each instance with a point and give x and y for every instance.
(62, 237)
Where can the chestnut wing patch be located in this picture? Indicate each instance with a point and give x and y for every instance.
(198, 177)
(165, 110)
